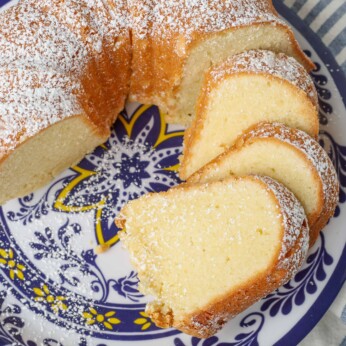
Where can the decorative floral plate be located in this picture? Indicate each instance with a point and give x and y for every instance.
(56, 290)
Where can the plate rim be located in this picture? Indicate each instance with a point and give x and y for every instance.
(330, 291)
(336, 281)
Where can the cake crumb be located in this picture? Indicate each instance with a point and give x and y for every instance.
(101, 248)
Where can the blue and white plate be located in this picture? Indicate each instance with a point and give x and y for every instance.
(54, 288)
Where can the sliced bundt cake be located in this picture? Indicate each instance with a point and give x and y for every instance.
(291, 157)
(246, 89)
(162, 47)
(208, 251)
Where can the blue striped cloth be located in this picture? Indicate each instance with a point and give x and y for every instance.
(328, 19)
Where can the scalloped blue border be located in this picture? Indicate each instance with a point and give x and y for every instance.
(336, 281)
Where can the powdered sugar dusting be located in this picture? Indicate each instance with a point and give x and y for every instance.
(215, 323)
(114, 16)
(38, 38)
(93, 21)
(31, 101)
(267, 62)
(69, 37)
(313, 151)
(106, 21)
(33, 39)
(295, 227)
(162, 19)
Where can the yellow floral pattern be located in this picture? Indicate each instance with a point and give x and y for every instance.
(44, 295)
(140, 156)
(7, 259)
(144, 321)
(107, 320)
(148, 169)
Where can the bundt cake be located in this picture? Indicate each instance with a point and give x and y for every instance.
(105, 50)
(246, 89)
(206, 252)
(175, 42)
(289, 156)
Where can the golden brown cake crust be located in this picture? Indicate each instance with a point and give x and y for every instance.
(106, 36)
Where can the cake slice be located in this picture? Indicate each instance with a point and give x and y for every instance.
(289, 156)
(246, 89)
(206, 252)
